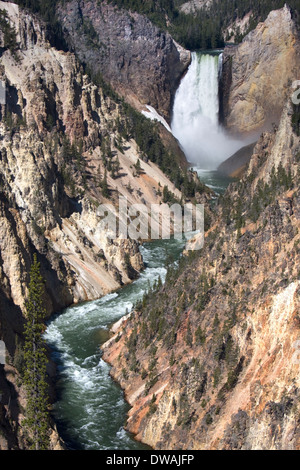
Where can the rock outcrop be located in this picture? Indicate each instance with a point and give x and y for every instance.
(210, 361)
(236, 165)
(258, 75)
(192, 6)
(142, 63)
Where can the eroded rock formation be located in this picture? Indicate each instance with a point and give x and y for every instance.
(258, 75)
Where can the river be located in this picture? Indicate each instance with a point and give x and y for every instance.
(90, 410)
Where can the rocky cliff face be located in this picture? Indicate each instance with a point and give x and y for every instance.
(61, 138)
(210, 360)
(192, 6)
(141, 62)
(258, 74)
(47, 95)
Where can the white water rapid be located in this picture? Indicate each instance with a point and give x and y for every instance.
(195, 120)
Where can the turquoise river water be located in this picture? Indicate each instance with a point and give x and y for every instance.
(90, 410)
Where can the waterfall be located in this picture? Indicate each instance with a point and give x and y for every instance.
(195, 120)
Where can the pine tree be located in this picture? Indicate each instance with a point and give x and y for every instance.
(117, 166)
(36, 420)
(138, 167)
(105, 190)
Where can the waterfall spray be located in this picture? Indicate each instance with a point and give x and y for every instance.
(195, 121)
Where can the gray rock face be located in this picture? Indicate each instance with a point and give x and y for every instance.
(236, 164)
(193, 6)
(143, 64)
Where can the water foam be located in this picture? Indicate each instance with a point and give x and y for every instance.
(195, 120)
(91, 409)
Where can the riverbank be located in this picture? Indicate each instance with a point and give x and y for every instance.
(90, 410)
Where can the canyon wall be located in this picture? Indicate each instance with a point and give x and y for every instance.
(258, 75)
(142, 63)
(51, 105)
(210, 360)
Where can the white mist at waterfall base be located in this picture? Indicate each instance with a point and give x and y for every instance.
(195, 121)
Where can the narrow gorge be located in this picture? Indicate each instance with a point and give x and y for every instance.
(152, 345)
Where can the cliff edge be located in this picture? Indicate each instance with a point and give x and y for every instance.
(258, 75)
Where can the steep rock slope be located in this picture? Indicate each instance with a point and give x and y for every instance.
(50, 105)
(141, 62)
(235, 165)
(210, 360)
(257, 74)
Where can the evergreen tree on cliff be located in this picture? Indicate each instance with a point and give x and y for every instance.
(36, 421)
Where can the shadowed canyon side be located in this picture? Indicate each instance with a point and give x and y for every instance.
(258, 73)
(208, 361)
(141, 62)
(67, 145)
